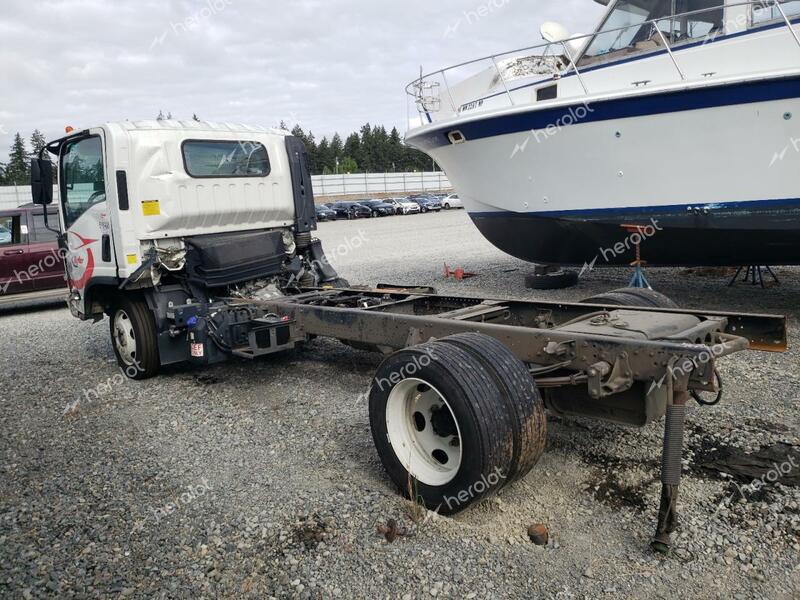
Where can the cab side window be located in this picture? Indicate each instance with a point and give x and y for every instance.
(10, 231)
(218, 159)
(83, 179)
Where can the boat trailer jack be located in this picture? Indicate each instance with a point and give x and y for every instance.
(671, 471)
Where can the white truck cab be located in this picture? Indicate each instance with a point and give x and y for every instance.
(156, 214)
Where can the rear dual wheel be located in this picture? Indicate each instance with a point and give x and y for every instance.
(455, 420)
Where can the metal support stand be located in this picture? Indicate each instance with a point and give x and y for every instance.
(754, 275)
(671, 472)
(638, 280)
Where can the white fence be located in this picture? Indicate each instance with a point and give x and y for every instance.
(364, 184)
(17, 195)
(361, 184)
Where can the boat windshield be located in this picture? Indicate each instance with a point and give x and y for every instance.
(627, 29)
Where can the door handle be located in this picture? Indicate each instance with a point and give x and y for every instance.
(13, 252)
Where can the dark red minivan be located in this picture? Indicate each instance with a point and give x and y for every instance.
(29, 257)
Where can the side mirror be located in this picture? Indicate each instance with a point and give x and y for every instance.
(42, 181)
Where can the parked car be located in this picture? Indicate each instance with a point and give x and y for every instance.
(29, 257)
(325, 214)
(404, 206)
(427, 203)
(452, 201)
(379, 208)
(351, 210)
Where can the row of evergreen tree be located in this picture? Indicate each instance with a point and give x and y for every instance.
(17, 171)
(370, 150)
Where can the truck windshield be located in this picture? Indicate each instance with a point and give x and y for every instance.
(83, 183)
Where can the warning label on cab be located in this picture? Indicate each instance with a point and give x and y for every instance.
(151, 208)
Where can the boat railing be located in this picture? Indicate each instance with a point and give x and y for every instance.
(545, 60)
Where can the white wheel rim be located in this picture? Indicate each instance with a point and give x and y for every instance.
(125, 338)
(426, 440)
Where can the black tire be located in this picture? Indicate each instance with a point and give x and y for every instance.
(524, 400)
(423, 210)
(638, 297)
(132, 312)
(551, 281)
(375, 214)
(447, 207)
(483, 418)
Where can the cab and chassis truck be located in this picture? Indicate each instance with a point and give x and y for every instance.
(196, 241)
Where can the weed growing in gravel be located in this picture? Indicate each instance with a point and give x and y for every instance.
(416, 505)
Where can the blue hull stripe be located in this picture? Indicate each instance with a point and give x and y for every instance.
(622, 108)
(788, 203)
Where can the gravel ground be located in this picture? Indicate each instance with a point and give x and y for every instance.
(260, 479)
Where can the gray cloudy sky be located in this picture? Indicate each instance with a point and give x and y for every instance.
(329, 65)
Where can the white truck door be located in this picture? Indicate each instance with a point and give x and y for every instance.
(85, 210)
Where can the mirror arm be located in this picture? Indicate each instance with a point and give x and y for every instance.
(61, 236)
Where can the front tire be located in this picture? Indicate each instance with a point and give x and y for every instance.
(134, 338)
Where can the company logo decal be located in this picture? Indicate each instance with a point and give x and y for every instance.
(81, 261)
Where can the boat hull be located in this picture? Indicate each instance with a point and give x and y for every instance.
(717, 168)
(742, 236)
